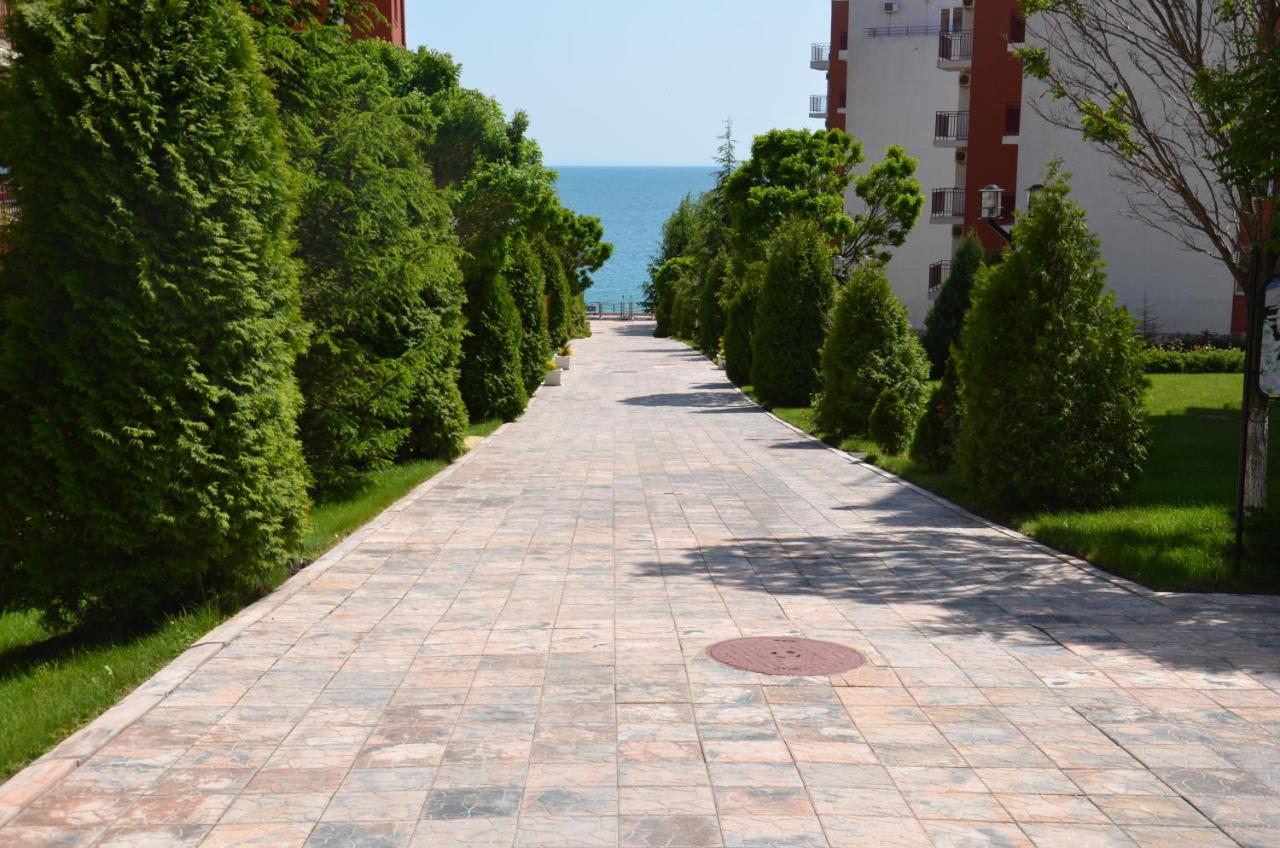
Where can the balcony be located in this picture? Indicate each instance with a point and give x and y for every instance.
(947, 205)
(1012, 123)
(955, 50)
(938, 273)
(817, 106)
(820, 56)
(1017, 29)
(951, 129)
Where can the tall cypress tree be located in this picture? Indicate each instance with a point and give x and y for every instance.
(792, 315)
(946, 316)
(527, 283)
(151, 317)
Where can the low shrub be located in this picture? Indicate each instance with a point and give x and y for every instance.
(893, 420)
(934, 444)
(1204, 360)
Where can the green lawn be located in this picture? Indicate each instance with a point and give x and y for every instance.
(52, 684)
(1173, 530)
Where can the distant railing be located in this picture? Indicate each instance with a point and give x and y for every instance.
(817, 104)
(951, 126)
(938, 273)
(955, 46)
(947, 203)
(625, 310)
(820, 53)
(902, 31)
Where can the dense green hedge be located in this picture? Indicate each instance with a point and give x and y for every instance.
(1157, 360)
(151, 313)
(528, 282)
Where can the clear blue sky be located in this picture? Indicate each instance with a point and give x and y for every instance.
(635, 83)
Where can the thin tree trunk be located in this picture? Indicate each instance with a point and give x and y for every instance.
(1256, 431)
(1255, 467)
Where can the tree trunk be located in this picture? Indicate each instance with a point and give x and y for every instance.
(1255, 462)
(1256, 430)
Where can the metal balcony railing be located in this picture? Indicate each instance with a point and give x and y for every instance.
(938, 273)
(1013, 119)
(902, 31)
(955, 47)
(817, 105)
(819, 53)
(947, 203)
(951, 126)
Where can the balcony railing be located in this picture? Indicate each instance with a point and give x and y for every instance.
(817, 106)
(1013, 119)
(820, 56)
(902, 31)
(1017, 28)
(947, 203)
(938, 273)
(951, 127)
(955, 47)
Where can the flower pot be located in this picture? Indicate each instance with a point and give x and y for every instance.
(720, 362)
(562, 362)
(553, 378)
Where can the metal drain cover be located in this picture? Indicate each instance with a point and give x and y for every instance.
(786, 655)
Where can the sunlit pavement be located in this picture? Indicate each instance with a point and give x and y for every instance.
(516, 655)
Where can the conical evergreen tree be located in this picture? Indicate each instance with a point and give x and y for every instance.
(492, 381)
(946, 316)
(792, 315)
(1051, 378)
(151, 321)
(527, 282)
(870, 349)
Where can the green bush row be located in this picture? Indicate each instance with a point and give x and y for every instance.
(1156, 360)
(257, 258)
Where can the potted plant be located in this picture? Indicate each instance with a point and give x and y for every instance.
(553, 375)
(562, 358)
(720, 356)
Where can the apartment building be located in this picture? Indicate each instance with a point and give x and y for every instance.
(941, 80)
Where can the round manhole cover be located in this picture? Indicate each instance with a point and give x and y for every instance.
(786, 655)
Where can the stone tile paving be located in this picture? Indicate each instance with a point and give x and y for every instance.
(515, 655)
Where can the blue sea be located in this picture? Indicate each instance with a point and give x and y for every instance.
(632, 203)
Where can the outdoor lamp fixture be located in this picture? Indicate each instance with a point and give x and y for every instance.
(992, 197)
(1032, 193)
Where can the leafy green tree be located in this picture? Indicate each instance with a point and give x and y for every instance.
(946, 317)
(666, 282)
(792, 315)
(677, 241)
(871, 348)
(741, 296)
(1050, 370)
(150, 313)
(796, 173)
(528, 283)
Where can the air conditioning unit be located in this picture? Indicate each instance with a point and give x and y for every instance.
(962, 156)
(965, 80)
(957, 230)
(968, 4)
(891, 7)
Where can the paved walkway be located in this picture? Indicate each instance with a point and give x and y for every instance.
(516, 656)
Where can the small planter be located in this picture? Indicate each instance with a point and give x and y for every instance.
(553, 377)
(720, 362)
(562, 362)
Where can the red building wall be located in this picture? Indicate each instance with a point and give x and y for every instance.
(388, 22)
(996, 86)
(838, 72)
